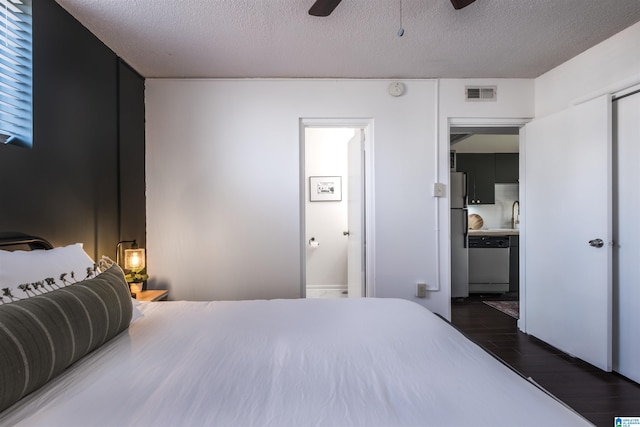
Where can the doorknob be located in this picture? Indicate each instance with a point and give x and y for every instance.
(596, 243)
(345, 233)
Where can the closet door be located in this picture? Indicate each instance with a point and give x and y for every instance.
(567, 218)
(627, 237)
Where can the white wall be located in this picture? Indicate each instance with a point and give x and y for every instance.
(605, 68)
(326, 155)
(224, 186)
(223, 183)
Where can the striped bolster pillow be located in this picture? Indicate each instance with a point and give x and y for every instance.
(42, 335)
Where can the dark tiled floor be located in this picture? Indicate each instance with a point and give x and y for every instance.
(597, 395)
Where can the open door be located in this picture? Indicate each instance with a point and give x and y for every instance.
(356, 235)
(567, 215)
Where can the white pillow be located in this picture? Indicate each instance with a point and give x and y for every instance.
(20, 267)
(136, 310)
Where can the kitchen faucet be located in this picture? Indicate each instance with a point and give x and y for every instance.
(515, 214)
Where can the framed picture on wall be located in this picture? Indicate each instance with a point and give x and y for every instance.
(325, 188)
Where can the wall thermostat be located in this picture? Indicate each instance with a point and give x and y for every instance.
(396, 88)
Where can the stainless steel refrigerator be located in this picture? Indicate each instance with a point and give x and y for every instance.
(459, 236)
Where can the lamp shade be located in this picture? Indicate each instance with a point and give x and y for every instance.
(134, 259)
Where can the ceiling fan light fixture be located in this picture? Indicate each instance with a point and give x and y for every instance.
(323, 8)
(459, 4)
(400, 30)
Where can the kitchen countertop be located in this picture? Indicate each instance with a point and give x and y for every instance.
(495, 232)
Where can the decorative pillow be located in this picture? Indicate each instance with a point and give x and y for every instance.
(64, 264)
(42, 335)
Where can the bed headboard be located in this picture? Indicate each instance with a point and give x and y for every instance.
(14, 240)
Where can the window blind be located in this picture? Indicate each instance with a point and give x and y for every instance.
(16, 117)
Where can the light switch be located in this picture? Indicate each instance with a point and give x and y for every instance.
(439, 189)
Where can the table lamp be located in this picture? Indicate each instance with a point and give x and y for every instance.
(134, 264)
(134, 259)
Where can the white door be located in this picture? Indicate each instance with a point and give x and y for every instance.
(355, 251)
(627, 235)
(567, 204)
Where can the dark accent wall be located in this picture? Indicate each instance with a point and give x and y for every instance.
(67, 187)
(132, 155)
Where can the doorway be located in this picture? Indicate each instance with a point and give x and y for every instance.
(487, 157)
(485, 160)
(334, 226)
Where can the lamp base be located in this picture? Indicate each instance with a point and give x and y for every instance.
(135, 288)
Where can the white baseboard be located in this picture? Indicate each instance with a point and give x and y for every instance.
(333, 287)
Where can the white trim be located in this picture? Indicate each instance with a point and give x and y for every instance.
(301, 208)
(436, 132)
(626, 92)
(370, 259)
(332, 287)
(367, 125)
(487, 122)
(522, 238)
(617, 89)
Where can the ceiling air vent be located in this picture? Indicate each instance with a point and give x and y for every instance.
(481, 93)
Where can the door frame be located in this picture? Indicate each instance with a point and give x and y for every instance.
(366, 124)
(621, 350)
(500, 122)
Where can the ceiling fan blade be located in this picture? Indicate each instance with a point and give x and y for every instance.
(323, 7)
(459, 4)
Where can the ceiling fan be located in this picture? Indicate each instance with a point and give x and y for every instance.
(325, 7)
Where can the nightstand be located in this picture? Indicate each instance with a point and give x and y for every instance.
(153, 295)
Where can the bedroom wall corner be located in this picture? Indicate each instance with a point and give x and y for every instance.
(131, 155)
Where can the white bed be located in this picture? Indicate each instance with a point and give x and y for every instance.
(76, 350)
(341, 362)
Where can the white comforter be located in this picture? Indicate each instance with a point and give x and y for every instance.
(342, 362)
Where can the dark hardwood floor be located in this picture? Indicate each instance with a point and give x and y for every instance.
(599, 396)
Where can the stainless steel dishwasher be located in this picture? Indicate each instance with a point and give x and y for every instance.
(488, 264)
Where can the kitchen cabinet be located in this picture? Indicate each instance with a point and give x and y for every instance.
(507, 168)
(481, 170)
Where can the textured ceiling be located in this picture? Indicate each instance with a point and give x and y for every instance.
(277, 38)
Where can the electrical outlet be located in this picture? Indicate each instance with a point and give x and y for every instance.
(421, 290)
(439, 189)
